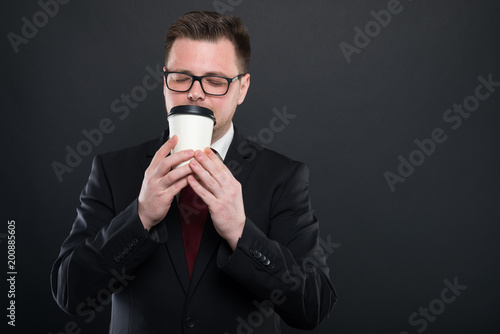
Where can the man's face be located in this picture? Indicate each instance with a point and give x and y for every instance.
(207, 58)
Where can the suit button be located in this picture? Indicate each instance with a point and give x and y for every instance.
(258, 255)
(267, 262)
(189, 322)
(253, 251)
(135, 242)
(263, 258)
(271, 266)
(116, 259)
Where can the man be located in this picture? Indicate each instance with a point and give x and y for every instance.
(259, 257)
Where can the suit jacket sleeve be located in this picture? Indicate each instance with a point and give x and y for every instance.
(104, 244)
(286, 265)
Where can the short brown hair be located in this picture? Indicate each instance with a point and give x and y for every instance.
(211, 26)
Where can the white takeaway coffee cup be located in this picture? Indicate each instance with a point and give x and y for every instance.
(193, 126)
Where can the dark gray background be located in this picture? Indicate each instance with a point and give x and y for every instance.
(394, 250)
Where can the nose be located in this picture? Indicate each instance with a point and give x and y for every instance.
(196, 92)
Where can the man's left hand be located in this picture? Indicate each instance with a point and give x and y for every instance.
(218, 188)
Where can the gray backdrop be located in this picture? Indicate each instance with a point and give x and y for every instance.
(394, 105)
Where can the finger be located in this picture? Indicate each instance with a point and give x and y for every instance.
(171, 161)
(205, 169)
(176, 187)
(174, 175)
(199, 189)
(209, 161)
(214, 165)
(163, 151)
(213, 156)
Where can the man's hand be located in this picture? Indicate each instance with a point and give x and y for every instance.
(219, 189)
(161, 183)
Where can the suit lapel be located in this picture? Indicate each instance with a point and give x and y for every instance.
(238, 158)
(175, 245)
(210, 241)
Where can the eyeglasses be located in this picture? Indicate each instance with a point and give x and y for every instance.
(210, 84)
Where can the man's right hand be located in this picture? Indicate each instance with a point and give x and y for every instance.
(161, 183)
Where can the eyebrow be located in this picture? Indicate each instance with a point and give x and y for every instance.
(220, 74)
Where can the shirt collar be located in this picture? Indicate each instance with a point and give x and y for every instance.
(222, 145)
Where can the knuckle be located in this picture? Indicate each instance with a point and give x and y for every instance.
(217, 172)
(147, 180)
(150, 186)
(164, 165)
(211, 182)
(233, 193)
(169, 178)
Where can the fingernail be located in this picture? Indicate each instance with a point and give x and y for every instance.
(193, 163)
(208, 151)
(198, 154)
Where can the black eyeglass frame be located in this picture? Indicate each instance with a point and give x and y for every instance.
(199, 78)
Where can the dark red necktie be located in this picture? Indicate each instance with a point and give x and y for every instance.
(193, 213)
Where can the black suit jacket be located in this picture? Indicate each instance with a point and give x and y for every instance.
(278, 269)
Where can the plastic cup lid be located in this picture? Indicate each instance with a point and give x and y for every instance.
(192, 110)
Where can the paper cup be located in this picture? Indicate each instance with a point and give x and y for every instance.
(193, 126)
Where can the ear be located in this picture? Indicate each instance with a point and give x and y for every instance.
(244, 85)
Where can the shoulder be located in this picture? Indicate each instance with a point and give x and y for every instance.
(122, 171)
(268, 161)
(133, 154)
